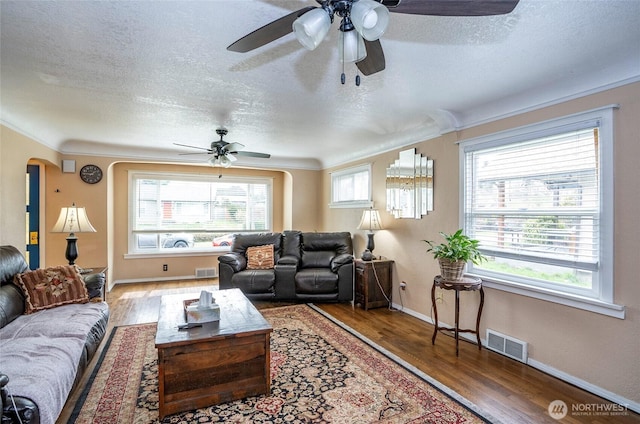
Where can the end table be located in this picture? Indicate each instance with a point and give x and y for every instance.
(97, 270)
(466, 284)
(373, 283)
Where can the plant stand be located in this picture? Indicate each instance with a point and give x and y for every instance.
(466, 284)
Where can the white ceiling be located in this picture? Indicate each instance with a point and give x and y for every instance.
(132, 78)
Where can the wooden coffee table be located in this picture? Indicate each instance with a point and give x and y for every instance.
(218, 362)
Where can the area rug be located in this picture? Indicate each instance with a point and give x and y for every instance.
(322, 372)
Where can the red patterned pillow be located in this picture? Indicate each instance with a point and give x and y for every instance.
(260, 257)
(51, 287)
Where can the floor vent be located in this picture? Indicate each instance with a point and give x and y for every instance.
(206, 272)
(508, 346)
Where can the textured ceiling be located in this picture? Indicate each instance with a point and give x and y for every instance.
(132, 78)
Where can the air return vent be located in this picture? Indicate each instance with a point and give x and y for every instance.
(508, 346)
(206, 272)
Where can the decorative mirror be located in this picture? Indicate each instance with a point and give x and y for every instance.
(410, 185)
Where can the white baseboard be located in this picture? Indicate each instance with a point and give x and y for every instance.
(596, 390)
(412, 313)
(585, 385)
(151, 279)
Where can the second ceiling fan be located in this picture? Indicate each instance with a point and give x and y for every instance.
(224, 153)
(362, 23)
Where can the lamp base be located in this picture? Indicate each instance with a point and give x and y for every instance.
(72, 249)
(367, 255)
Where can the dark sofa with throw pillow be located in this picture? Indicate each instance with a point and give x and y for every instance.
(291, 266)
(51, 324)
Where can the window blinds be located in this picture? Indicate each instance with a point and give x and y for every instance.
(536, 200)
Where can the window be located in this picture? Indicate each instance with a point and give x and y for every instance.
(195, 212)
(351, 188)
(540, 201)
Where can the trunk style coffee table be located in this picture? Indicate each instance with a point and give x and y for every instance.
(218, 362)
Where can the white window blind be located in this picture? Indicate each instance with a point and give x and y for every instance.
(535, 207)
(351, 187)
(540, 200)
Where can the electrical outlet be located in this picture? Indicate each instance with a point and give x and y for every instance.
(439, 298)
(403, 286)
(165, 267)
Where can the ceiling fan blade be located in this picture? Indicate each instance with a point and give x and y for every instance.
(451, 7)
(196, 153)
(374, 61)
(230, 157)
(192, 147)
(233, 147)
(252, 154)
(268, 33)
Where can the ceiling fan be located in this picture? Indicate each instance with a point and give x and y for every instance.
(362, 24)
(224, 153)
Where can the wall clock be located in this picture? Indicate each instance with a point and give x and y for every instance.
(91, 174)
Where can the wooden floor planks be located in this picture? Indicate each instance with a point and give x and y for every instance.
(510, 391)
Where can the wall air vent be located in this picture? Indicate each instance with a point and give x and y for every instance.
(206, 272)
(508, 346)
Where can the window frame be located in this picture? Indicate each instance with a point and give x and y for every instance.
(602, 301)
(351, 203)
(133, 251)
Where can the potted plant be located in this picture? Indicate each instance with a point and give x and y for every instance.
(454, 253)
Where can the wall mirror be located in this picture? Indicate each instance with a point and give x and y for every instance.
(410, 185)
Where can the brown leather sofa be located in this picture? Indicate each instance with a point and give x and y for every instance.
(307, 266)
(19, 332)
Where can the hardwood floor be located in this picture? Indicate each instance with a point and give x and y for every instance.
(508, 390)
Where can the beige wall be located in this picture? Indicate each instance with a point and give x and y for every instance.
(305, 203)
(107, 206)
(16, 151)
(597, 349)
(64, 189)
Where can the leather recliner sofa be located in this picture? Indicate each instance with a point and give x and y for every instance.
(307, 266)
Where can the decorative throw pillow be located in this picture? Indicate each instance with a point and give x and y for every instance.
(51, 287)
(260, 257)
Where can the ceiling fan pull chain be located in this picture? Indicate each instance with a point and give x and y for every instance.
(358, 69)
(343, 77)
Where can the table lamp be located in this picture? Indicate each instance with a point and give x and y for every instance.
(72, 220)
(370, 221)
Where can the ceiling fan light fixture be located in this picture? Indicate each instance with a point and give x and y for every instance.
(222, 161)
(370, 18)
(312, 27)
(351, 47)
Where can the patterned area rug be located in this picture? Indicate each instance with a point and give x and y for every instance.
(321, 373)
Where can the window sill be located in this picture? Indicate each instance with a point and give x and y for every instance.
(178, 253)
(574, 301)
(364, 204)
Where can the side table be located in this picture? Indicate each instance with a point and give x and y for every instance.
(373, 283)
(466, 284)
(97, 270)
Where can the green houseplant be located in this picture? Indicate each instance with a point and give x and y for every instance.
(454, 253)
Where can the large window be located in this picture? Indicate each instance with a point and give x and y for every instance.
(539, 199)
(351, 187)
(170, 211)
